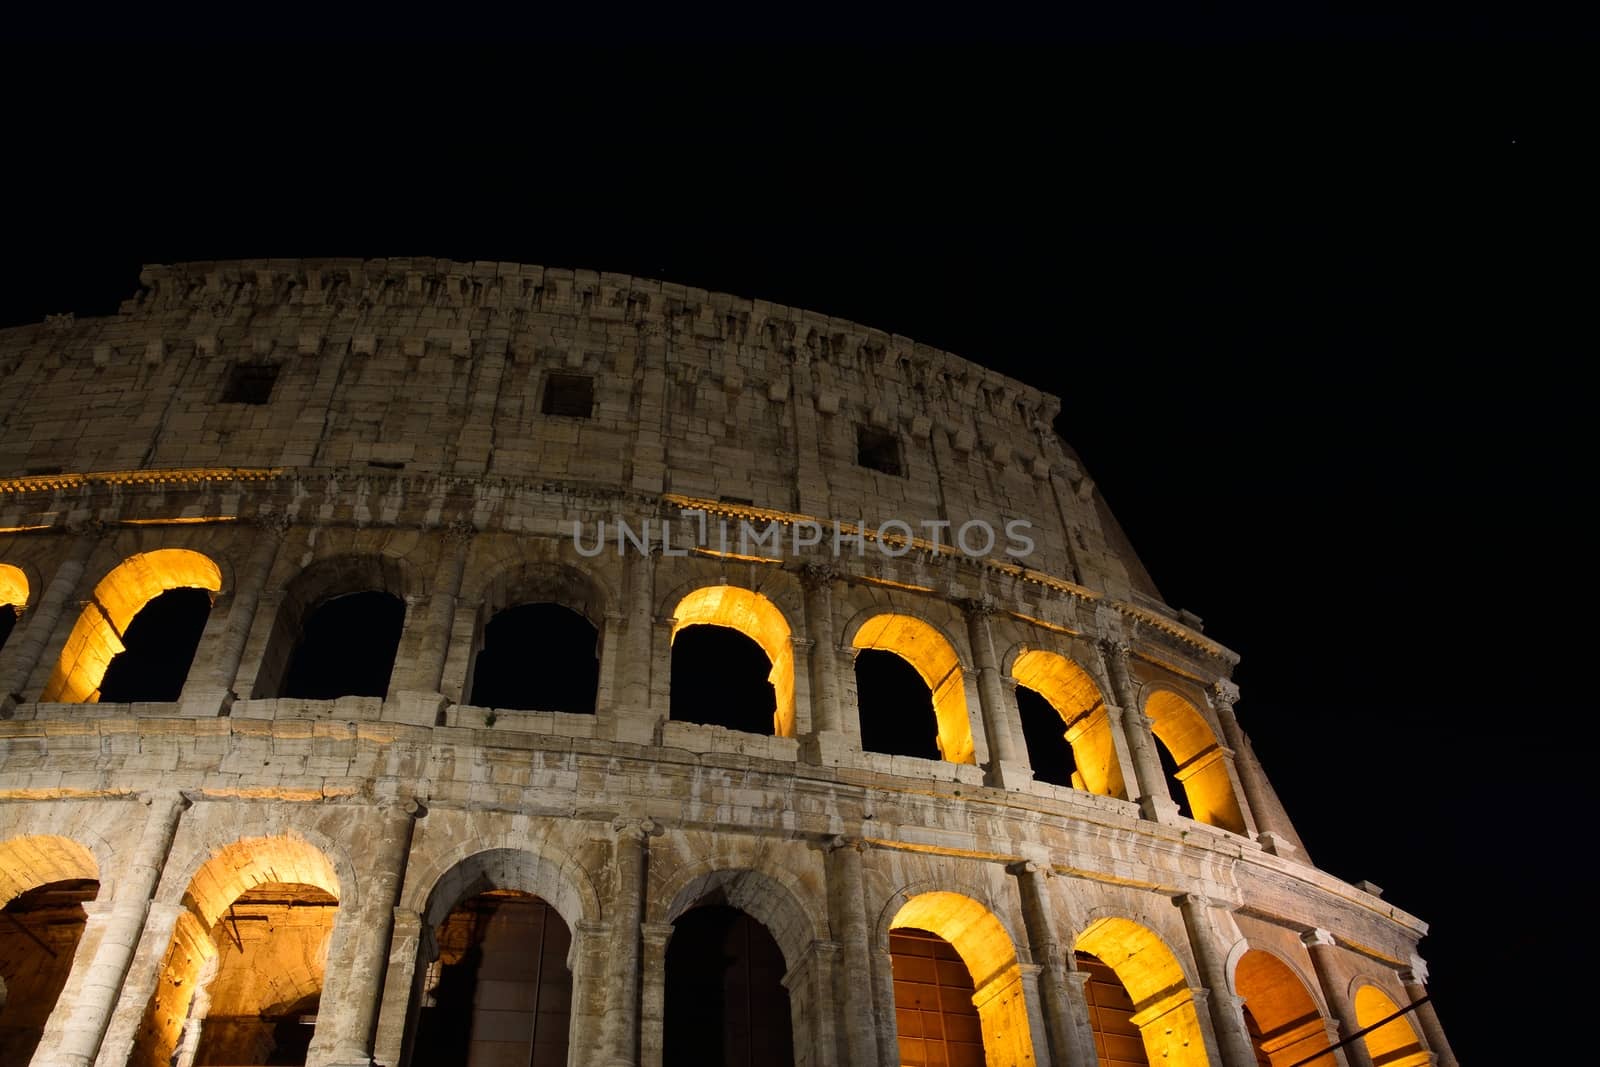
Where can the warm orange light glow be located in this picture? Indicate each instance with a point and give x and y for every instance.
(758, 619)
(1164, 1008)
(179, 475)
(1394, 1044)
(1201, 768)
(1069, 689)
(13, 586)
(97, 637)
(926, 649)
(1291, 1027)
(991, 959)
(182, 520)
(39, 859)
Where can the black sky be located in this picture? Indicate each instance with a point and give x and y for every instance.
(1309, 299)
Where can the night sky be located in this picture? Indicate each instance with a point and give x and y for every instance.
(1308, 299)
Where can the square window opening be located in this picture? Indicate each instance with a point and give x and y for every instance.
(879, 450)
(569, 395)
(250, 383)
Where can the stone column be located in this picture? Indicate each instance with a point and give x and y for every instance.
(1155, 801)
(1330, 976)
(1066, 1012)
(351, 996)
(847, 917)
(425, 642)
(36, 627)
(632, 719)
(1260, 810)
(1008, 767)
(98, 996)
(407, 942)
(620, 1032)
(654, 939)
(832, 736)
(209, 689)
(811, 1006)
(1233, 1040)
(161, 927)
(1415, 979)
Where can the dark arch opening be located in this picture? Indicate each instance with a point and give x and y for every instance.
(8, 622)
(937, 1022)
(719, 678)
(725, 1003)
(39, 931)
(896, 705)
(159, 646)
(347, 647)
(500, 991)
(1045, 735)
(1169, 771)
(537, 657)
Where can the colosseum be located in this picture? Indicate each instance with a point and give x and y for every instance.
(418, 662)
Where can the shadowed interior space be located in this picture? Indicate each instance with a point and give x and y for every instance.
(897, 716)
(537, 657)
(726, 1004)
(158, 647)
(347, 647)
(39, 930)
(720, 678)
(1044, 732)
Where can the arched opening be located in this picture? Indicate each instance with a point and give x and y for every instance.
(890, 713)
(1062, 708)
(1197, 761)
(1395, 1043)
(347, 647)
(901, 721)
(98, 636)
(158, 648)
(538, 657)
(44, 883)
(725, 999)
(500, 991)
(1163, 1006)
(242, 976)
(13, 598)
(1117, 1041)
(718, 678)
(939, 935)
(1284, 1023)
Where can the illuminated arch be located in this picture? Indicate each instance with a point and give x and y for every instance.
(121, 594)
(990, 957)
(1069, 689)
(758, 619)
(934, 658)
(321, 581)
(1163, 1002)
(190, 963)
(1290, 1024)
(40, 859)
(1394, 1044)
(13, 586)
(1202, 768)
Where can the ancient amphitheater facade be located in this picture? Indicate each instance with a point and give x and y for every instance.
(254, 867)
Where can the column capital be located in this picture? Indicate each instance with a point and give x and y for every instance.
(175, 797)
(1416, 971)
(1114, 648)
(842, 841)
(406, 806)
(90, 528)
(978, 607)
(458, 532)
(637, 830)
(1224, 693)
(1197, 900)
(1020, 867)
(274, 524)
(817, 575)
(1317, 936)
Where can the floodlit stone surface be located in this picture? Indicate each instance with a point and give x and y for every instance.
(281, 433)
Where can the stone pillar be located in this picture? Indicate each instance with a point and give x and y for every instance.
(350, 997)
(38, 625)
(834, 733)
(1258, 794)
(209, 689)
(1227, 1018)
(199, 1008)
(632, 718)
(1066, 1012)
(847, 917)
(1415, 979)
(1155, 801)
(620, 1031)
(589, 960)
(406, 944)
(811, 1006)
(425, 642)
(884, 1028)
(654, 939)
(160, 928)
(1330, 976)
(102, 987)
(1008, 763)
(1077, 1010)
